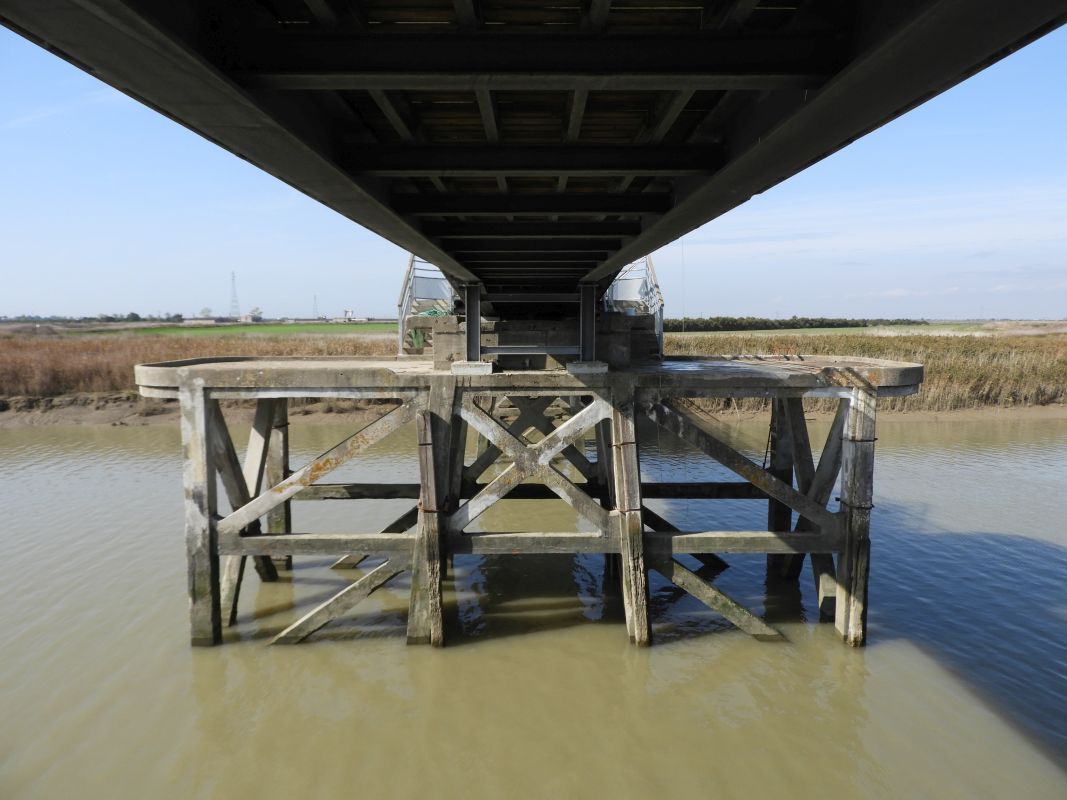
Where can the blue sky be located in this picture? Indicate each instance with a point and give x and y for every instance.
(957, 210)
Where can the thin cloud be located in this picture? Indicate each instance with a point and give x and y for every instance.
(87, 100)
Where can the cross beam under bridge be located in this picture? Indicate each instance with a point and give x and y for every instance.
(446, 128)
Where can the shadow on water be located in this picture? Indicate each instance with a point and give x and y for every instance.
(990, 607)
(503, 596)
(987, 605)
(982, 604)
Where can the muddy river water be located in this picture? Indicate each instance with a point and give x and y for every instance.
(962, 691)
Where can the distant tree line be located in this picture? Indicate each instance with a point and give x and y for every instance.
(699, 324)
(132, 316)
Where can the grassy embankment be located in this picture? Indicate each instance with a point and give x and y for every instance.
(962, 371)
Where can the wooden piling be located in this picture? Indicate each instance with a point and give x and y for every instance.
(626, 475)
(198, 475)
(276, 469)
(857, 490)
(434, 433)
(779, 515)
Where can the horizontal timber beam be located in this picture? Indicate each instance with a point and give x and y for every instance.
(535, 161)
(733, 490)
(540, 204)
(319, 544)
(743, 542)
(402, 543)
(540, 542)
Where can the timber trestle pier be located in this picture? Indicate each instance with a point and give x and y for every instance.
(540, 456)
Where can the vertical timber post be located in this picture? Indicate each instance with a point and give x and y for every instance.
(472, 304)
(587, 321)
(201, 538)
(779, 515)
(276, 470)
(627, 480)
(857, 490)
(607, 489)
(433, 427)
(453, 489)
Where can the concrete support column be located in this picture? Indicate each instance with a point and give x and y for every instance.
(472, 301)
(587, 321)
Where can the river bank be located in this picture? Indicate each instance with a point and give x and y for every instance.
(88, 379)
(127, 408)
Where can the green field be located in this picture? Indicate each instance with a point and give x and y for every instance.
(259, 329)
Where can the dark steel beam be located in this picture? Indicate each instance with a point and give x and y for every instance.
(667, 114)
(587, 321)
(457, 62)
(494, 205)
(526, 277)
(570, 265)
(541, 230)
(597, 17)
(531, 350)
(400, 120)
(472, 307)
(470, 259)
(579, 97)
(535, 160)
(731, 14)
(533, 297)
(158, 67)
(466, 14)
(525, 245)
(488, 113)
(932, 47)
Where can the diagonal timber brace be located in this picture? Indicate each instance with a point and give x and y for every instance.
(330, 460)
(679, 422)
(712, 597)
(240, 483)
(529, 461)
(531, 415)
(341, 602)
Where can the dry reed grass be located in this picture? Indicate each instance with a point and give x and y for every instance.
(961, 371)
(40, 366)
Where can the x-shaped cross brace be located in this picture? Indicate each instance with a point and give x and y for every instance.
(532, 461)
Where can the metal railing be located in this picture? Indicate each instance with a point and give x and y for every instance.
(424, 292)
(427, 292)
(635, 290)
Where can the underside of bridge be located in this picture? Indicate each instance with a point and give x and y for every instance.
(528, 147)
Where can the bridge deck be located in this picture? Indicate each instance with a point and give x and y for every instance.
(528, 147)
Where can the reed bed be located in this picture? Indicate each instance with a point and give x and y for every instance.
(50, 366)
(962, 372)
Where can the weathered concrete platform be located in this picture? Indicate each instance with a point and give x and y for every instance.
(607, 492)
